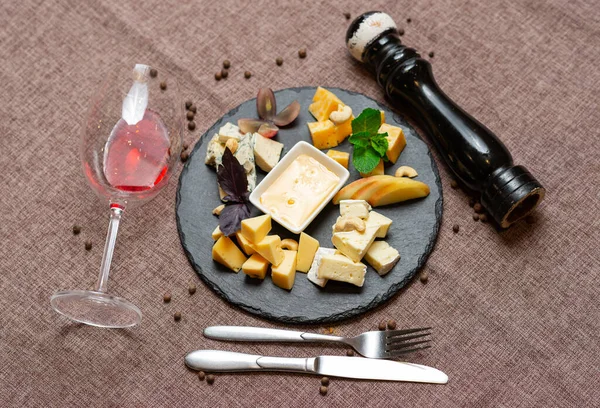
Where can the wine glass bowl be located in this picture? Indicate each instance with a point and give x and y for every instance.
(130, 143)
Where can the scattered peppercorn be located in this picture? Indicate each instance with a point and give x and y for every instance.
(475, 217)
(347, 15)
(456, 228)
(167, 297)
(193, 109)
(530, 219)
(391, 324)
(431, 54)
(76, 229)
(408, 20)
(226, 64)
(218, 76)
(186, 146)
(401, 31)
(478, 208)
(210, 379)
(153, 73)
(279, 61)
(325, 381)
(201, 375)
(382, 326)
(302, 53)
(472, 202)
(188, 104)
(483, 218)
(323, 390)
(177, 316)
(192, 125)
(192, 289)
(247, 74)
(349, 353)
(88, 245)
(454, 184)
(424, 277)
(224, 73)
(189, 115)
(163, 85)
(184, 156)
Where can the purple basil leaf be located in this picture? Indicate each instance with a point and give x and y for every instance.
(287, 115)
(249, 125)
(265, 104)
(232, 177)
(231, 218)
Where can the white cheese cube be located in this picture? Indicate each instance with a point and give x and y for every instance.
(214, 151)
(380, 221)
(312, 272)
(382, 257)
(229, 131)
(266, 152)
(355, 208)
(340, 268)
(354, 244)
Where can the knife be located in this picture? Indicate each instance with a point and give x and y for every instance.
(332, 366)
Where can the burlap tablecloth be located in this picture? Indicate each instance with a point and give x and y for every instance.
(515, 314)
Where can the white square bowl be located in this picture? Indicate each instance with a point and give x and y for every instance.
(299, 149)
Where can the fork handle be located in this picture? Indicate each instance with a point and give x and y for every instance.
(245, 333)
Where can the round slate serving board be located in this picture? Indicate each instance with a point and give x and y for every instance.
(413, 232)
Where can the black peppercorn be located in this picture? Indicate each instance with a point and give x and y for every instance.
(279, 61)
(163, 85)
(192, 125)
(247, 74)
(226, 64)
(76, 229)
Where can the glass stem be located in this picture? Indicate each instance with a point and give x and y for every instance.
(109, 247)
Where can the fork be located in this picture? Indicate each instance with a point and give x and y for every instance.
(373, 344)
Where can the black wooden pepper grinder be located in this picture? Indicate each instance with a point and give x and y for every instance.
(475, 155)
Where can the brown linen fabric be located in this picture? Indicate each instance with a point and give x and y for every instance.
(515, 314)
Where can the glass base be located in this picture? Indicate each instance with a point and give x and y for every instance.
(96, 308)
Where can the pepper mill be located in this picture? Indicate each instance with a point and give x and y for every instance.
(474, 154)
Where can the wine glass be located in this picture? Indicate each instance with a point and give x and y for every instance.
(130, 142)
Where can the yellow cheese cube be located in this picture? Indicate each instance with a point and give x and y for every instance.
(396, 141)
(322, 93)
(323, 108)
(341, 157)
(226, 253)
(284, 274)
(344, 130)
(255, 229)
(270, 249)
(377, 171)
(216, 234)
(324, 134)
(307, 248)
(244, 243)
(256, 267)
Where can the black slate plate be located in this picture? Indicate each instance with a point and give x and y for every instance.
(413, 232)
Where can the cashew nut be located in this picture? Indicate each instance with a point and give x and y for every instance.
(232, 145)
(349, 224)
(290, 244)
(343, 113)
(405, 171)
(217, 210)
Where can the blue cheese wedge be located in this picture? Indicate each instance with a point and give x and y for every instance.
(266, 152)
(355, 208)
(340, 268)
(229, 131)
(380, 221)
(245, 155)
(214, 151)
(382, 257)
(355, 244)
(312, 272)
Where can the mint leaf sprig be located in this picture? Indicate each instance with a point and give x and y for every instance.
(369, 145)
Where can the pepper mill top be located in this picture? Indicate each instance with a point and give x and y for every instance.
(365, 29)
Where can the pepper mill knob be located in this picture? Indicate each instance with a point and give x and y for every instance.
(365, 29)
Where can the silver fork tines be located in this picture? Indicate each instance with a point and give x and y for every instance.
(397, 341)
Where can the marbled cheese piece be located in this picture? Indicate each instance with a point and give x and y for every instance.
(229, 131)
(245, 155)
(214, 151)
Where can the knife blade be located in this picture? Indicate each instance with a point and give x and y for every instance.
(332, 366)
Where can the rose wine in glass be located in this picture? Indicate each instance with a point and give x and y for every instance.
(130, 143)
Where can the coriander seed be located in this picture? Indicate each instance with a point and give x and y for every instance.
(192, 289)
(192, 125)
(201, 375)
(475, 217)
(349, 353)
(456, 228)
(323, 390)
(177, 316)
(302, 53)
(325, 381)
(193, 109)
(424, 277)
(167, 297)
(483, 218)
(163, 85)
(226, 64)
(279, 61)
(247, 74)
(478, 208)
(210, 379)
(189, 115)
(184, 156)
(76, 229)
(153, 73)
(88, 245)
(382, 326)
(391, 324)
(218, 76)
(224, 73)
(454, 184)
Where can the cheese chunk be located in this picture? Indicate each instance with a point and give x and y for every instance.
(214, 151)
(284, 274)
(382, 257)
(355, 208)
(340, 268)
(244, 243)
(256, 228)
(377, 171)
(342, 158)
(322, 93)
(312, 272)
(396, 141)
(324, 134)
(380, 221)
(354, 244)
(266, 152)
(216, 234)
(256, 267)
(245, 155)
(270, 249)
(226, 253)
(307, 248)
(343, 130)
(229, 131)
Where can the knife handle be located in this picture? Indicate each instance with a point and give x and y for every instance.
(244, 333)
(229, 361)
